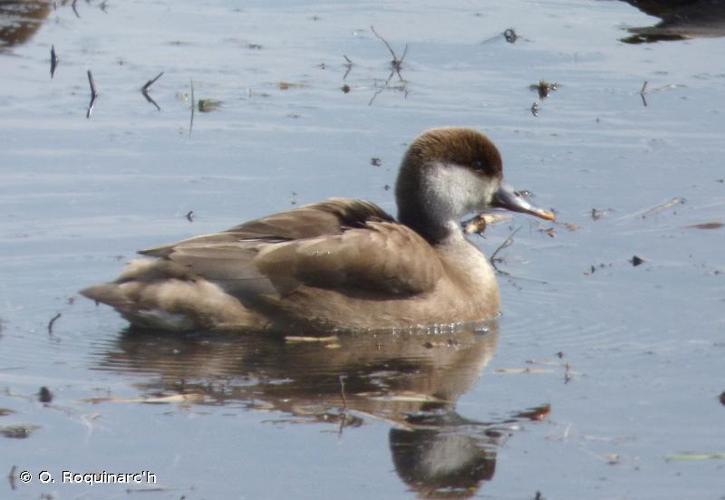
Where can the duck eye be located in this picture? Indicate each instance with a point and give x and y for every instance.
(478, 164)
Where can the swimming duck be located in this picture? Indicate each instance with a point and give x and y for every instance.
(341, 263)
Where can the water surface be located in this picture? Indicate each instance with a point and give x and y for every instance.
(596, 382)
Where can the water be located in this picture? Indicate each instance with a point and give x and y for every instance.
(628, 358)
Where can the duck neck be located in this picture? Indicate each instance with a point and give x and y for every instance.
(435, 230)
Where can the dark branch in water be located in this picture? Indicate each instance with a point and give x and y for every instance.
(642, 92)
(145, 90)
(75, 9)
(191, 120)
(12, 475)
(506, 243)
(53, 61)
(348, 66)
(396, 65)
(94, 94)
(51, 323)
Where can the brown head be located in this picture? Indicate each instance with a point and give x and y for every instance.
(450, 172)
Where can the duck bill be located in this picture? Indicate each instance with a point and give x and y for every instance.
(506, 198)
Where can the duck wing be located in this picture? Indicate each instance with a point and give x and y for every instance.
(346, 245)
(329, 217)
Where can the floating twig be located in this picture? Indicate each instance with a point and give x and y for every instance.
(12, 475)
(191, 120)
(544, 88)
(642, 92)
(343, 416)
(145, 90)
(44, 395)
(396, 65)
(53, 61)
(94, 94)
(190, 216)
(342, 378)
(52, 322)
(506, 243)
(75, 9)
(677, 200)
(348, 66)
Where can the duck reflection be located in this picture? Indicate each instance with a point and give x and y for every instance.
(410, 380)
(681, 19)
(20, 19)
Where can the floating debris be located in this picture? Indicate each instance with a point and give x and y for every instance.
(18, 431)
(707, 225)
(208, 105)
(544, 88)
(695, 456)
(175, 398)
(510, 35)
(396, 66)
(722, 398)
(94, 93)
(538, 413)
(145, 90)
(348, 66)
(345, 89)
(642, 92)
(636, 261)
(52, 322)
(190, 216)
(479, 223)
(53, 61)
(44, 395)
(599, 213)
(550, 232)
(5, 412)
(520, 371)
(677, 200)
(298, 339)
(376, 162)
(191, 119)
(535, 109)
(289, 85)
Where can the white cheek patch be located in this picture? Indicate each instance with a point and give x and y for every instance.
(453, 191)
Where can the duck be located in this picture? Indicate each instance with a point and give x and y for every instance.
(339, 264)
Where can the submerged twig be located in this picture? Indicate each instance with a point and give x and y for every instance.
(11, 476)
(348, 66)
(52, 322)
(343, 418)
(396, 65)
(94, 94)
(145, 90)
(191, 120)
(506, 243)
(53, 61)
(342, 378)
(75, 9)
(642, 92)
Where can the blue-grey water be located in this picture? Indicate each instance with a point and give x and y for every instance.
(601, 379)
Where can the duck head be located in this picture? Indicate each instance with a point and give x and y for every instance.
(448, 173)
